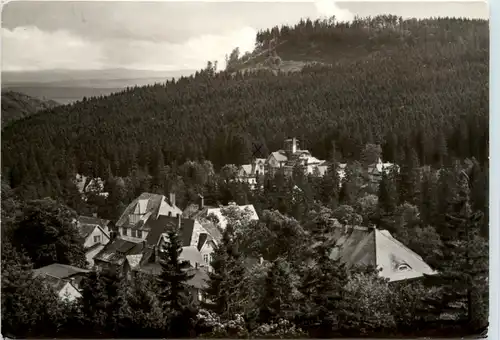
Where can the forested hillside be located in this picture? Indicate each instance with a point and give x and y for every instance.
(16, 105)
(421, 84)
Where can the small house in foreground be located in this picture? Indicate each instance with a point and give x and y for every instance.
(63, 279)
(356, 245)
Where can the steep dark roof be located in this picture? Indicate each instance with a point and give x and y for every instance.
(201, 240)
(58, 270)
(159, 226)
(115, 251)
(93, 220)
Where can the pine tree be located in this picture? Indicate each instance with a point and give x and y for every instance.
(174, 293)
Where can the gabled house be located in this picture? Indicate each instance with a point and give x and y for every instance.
(356, 245)
(203, 213)
(63, 279)
(95, 233)
(93, 230)
(249, 173)
(197, 248)
(376, 170)
(125, 253)
(132, 223)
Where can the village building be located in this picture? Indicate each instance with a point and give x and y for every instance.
(95, 234)
(291, 156)
(63, 279)
(128, 255)
(251, 173)
(132, 222)
(362, 246)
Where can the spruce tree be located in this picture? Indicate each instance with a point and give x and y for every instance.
(225, 291)
(277, 300)
(463, 268)
(174, 294)
(387, 199)
(409, 177)
(330, 186)
(321, 288)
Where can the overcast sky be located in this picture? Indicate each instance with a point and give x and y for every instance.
(46, 35)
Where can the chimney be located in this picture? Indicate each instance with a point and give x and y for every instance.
(172, 199)
(202, 202)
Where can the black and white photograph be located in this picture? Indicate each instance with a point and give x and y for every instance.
(245, 170)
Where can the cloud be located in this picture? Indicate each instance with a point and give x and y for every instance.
(328, 8)
(29, 48)
(144, 36)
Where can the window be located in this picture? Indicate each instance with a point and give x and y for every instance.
(133, 233)
(97, 238)
(205, 258)
(403, 267)
(139, 233)
(124, 231)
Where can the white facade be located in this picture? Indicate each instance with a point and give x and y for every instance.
(95, 237)
(69, 293)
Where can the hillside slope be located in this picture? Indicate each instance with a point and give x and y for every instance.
(17, 105)
(412, 84)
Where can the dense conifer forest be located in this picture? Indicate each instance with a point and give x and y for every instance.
(412, 92)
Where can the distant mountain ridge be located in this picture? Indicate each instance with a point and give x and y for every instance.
(67, 86)
(17, 105)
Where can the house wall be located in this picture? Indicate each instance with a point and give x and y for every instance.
(69, 293)
(166, 209)
(89, 242)
(207, 253)
(272, 162)
(91, 254)
(144, 233)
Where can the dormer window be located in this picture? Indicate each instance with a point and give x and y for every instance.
(403, 267)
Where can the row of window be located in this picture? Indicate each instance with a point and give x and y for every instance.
(207, 258)
(133, 233)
